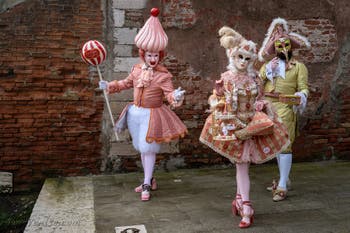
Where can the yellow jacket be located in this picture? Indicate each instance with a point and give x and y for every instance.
(295, 81)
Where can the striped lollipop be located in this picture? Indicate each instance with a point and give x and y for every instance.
(93, 52)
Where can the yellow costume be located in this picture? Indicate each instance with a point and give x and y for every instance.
(285, 85)
(295, 81)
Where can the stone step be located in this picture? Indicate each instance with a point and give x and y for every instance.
(6, 183)
(64, 205)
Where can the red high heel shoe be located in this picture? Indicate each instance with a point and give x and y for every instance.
(237, 205)
(247, 212)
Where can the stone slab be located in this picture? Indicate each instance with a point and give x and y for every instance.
(124, 64)
(123, 50)
(64, 205)
(125, 35)
(119, 17)
(131, 229)
(8, 4)
(122, 148)
(129, 4)
(6, 183)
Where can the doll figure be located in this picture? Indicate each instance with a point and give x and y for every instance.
(150, 122)
(258, 133)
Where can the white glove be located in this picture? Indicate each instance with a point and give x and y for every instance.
(303, 101)
(179, 95)
(275, 68)
(103, 85)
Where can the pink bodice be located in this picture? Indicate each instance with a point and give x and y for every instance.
(240, 93)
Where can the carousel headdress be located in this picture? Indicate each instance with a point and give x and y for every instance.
(279, 29)
(152, 37)
(235, 43)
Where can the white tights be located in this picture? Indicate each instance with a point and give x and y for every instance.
(284, 165)
(148, 160)
(243, 181)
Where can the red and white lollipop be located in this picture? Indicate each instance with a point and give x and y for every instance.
(93, 52)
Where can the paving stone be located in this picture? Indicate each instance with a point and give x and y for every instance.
(197, 200)
(127, 4)
(6, 183)
(64, 205)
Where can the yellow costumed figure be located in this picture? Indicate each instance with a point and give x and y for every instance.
(285, 85)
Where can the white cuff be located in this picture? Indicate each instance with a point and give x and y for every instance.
(303, 101)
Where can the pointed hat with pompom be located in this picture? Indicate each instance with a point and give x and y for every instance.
(151, 36)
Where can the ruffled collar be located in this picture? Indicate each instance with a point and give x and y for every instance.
(146, 76)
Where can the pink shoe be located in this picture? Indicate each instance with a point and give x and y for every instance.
(146, 192)
(247, 215)
(237, 205)
(154, 186)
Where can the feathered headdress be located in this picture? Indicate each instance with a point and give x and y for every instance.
(235, 43)
(279, 29)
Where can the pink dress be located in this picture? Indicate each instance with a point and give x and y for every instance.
(236, 130)
(150, 88)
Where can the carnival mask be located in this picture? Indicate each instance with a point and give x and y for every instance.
(241, 61)
(152, 59)
(283, 46)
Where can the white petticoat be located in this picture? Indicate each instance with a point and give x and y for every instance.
(138, 120)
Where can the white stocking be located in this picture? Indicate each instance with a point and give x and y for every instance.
(143, 159)
(285, 165)
(243, 181)
(278, 160)
(148, 166)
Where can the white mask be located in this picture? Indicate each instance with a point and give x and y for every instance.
(152, 59)
(241, 62)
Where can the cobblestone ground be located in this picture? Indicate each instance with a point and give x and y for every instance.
(197, 201)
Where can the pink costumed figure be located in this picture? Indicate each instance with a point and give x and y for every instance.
(242, 126)
(150, 122)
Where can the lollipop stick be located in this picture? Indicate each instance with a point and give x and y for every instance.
(107, 103)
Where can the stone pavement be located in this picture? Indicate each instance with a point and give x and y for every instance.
(197, 201)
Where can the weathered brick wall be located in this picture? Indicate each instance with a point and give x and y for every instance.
(50, 113)
(196, 60)
(326, 125)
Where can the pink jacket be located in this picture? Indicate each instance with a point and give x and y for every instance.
(164, 124)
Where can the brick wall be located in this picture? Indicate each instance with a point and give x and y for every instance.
(196, 60)
(53, 120)
(50, 113)
(326, 125)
